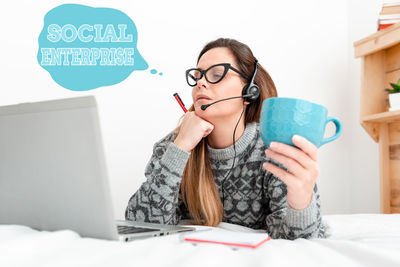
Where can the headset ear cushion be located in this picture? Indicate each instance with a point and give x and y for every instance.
(253, 90)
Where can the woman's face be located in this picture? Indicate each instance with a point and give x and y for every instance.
(231, 85)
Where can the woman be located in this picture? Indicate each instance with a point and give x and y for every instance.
(214, 167)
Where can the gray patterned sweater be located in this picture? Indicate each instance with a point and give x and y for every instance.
(253, 197)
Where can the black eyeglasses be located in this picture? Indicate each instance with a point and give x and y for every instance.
(213, 74)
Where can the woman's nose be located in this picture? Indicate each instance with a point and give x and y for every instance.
(202, 82)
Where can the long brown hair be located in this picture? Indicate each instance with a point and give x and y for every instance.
(198, 188)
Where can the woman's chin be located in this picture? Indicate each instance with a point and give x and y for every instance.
(206, 114)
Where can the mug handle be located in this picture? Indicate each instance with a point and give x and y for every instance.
(338, 130)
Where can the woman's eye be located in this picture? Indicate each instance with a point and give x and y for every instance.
(217, 75)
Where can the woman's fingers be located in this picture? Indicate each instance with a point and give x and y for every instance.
(303, 157)
(285, 176)
(291, 164)
(306, 146)
(302, 163)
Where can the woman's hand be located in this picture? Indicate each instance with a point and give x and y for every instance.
(193, 129)
(302, 163)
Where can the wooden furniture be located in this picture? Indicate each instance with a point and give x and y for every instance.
(380, 54)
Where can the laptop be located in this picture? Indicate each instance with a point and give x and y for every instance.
(53, 174)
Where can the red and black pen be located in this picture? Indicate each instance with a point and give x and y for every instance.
(180, 102)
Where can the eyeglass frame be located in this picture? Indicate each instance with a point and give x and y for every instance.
(227, 66)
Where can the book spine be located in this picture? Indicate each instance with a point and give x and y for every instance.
(391, 4)
(388, 21)
(390, 10)
(389, 16)
(384, 26)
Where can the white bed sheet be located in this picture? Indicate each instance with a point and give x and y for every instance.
(356, 240)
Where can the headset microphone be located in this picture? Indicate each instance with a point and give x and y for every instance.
(203, 107)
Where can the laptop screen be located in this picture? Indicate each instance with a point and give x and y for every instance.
(52, 168)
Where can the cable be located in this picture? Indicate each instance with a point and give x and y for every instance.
(233, 163)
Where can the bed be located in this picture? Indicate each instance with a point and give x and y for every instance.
(356, 240)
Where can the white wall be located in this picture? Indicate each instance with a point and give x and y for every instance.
(306, 46)
(364, 173)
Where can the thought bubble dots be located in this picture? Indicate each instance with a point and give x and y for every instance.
(154, 71)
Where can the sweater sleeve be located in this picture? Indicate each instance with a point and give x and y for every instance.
(157, 199)
(288, 223)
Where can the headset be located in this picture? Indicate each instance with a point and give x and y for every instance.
(251, 91)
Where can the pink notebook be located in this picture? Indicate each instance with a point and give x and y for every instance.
(230, 238)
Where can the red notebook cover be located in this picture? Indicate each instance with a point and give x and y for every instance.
(229, 238)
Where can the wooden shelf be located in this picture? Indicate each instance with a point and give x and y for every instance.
(389, 116)
(371, 124)
(380, 66)
(395, 209)
(377, 41)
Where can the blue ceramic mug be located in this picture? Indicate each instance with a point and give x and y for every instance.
(282, 117)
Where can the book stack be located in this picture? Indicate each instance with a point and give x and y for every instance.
(389, 15)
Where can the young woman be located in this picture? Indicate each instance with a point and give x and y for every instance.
(214, 166)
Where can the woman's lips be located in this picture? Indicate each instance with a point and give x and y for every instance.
(202, 99)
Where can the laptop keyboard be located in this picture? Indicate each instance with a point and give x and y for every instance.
(124, 229)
